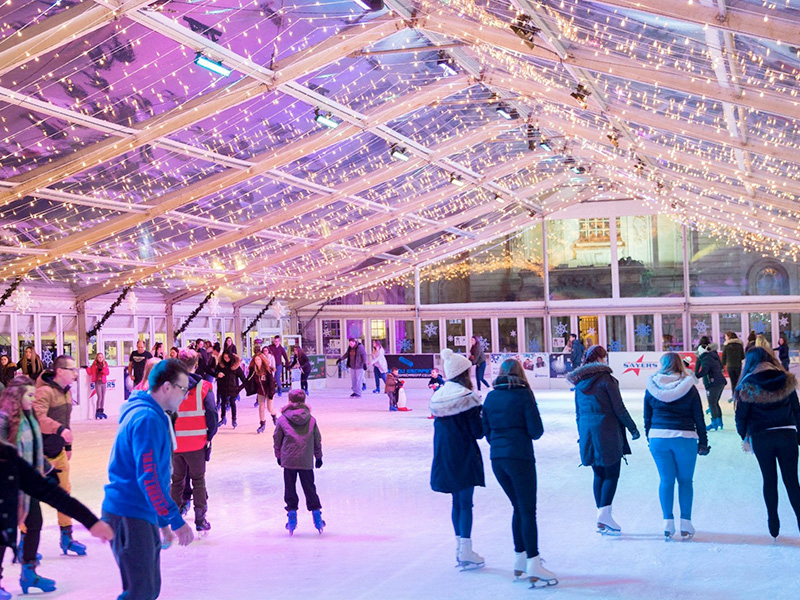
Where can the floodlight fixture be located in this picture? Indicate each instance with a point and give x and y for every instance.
(456, 180)
(577, 169)
(212, 65)
(446, 63)
(524, 28)
(581, 94)
(545, 145)
(325, 119)
(505, 112)
(400, 154)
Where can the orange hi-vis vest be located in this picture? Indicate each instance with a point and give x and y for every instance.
(191, 431)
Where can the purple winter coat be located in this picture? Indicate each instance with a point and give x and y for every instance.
(297, 440)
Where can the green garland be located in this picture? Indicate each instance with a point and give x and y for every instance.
(99, 325)
(258, 317)
(10, 290)
(194, 313)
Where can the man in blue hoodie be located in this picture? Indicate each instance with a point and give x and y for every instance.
(137, 501)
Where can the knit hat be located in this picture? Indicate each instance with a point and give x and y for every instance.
(454, 364)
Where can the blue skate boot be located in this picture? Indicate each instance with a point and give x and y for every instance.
(70, 545)
(29, 578)
(291, 524)
(318, 522)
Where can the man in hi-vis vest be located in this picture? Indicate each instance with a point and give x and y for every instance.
(195, 425)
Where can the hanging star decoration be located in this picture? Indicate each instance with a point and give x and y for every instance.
(279, 310)
(27, 336)
(784, 321)
(47, 357)
(213, 306)
(591, 331)
(406, 345)
(484, 343)
(759, 327)
(615, 346)
(534, 345)
(449, 338)
(513, 333)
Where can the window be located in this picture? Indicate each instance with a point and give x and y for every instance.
(650, 257)
(730, 322)
(482, 331)
(534, 334)
(644, 338)
(761, 323)
(404, 337)
(377, 330)
(579, 259)
(430, 337)
(615, 333)
(509, 338)
(672, 333)
(332, 337)
(559, 332)
(456, 335)
(596, 230)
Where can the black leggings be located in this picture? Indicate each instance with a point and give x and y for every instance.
(713, 394)
(33, 526)
(605, 483)
(734, 373)
(224, 405)
(773, 448)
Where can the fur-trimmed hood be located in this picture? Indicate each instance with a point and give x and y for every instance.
(507, 382)
(588, 372)
(710, 348)
(766, 384)
(452, 399)
(734, 341)
(671, 387)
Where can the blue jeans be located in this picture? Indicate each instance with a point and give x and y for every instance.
(378, 377)
(278, 374)
(462, 512)
(675, 459)
(479, 371)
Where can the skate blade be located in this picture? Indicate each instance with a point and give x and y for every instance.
(472, 566)
(607, 531)
(542, 583)
(686, 536)
(202, 535)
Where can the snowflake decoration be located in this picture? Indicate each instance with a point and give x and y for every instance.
(513, 333)
(279, 310)
(759, 327)
(213, 306)
(615, 346)
(449, 338)
(133, 300)
(217, 336)
(431, 329)
(93, 339)
(27, 336)
(561, 329)
(701, 327)
(22, 300)
(534, 346)
(3, 352)
(643, 330)
(784, 321)
(326, 332)
(483, 342)
(47, 357)
(406, 345)
(591, 331)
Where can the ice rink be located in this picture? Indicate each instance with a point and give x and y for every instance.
(389, 537)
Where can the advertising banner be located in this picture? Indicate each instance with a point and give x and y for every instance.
(633, 368)
(534, 364)
(317, 366)
(85, 401)
(411, 366)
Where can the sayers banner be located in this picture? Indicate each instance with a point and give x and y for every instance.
(633, 368)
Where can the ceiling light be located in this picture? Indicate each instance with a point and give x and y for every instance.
(400, 154)
(456, 180)
(504, 112)
(212, 65)
(545, 145)
(577, 169)
(581, 94)
(325, 120)
(446, 63)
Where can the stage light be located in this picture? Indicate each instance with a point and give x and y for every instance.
(545, 145)
(504, 112)
(577, 169)
(325, 120)
(446, 63)
(456, 180)
(211, 65)
(400, 154)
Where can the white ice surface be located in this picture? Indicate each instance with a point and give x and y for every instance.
(389, 536)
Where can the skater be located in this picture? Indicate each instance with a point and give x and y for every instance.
(576, 350)
(436, 381)
(8, 370)
(281, 360)
(457, 465)
(392, 387)
(298, 449)
(144, 384)
(676, 430)
(379, 365)
(511, 422)
(137, 501)
(478, 358)
(732, 358)
(263, 384)
(709, 367)
(230, 379)
(136, 363)
(98, 374)
(602, 419)
(356, 360)
(195, 427)
(768, 421)
(20, 478)
(300, 358)
(782, 352)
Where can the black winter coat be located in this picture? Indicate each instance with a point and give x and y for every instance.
(601, 415)
(17, 475)
(228, 385)
(457, 462)
(709, 367)
(766, 399)
(733, 353)
(511, 419)
(301, 359)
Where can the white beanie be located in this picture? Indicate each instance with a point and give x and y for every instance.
(454, 364)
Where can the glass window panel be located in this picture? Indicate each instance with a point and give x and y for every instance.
(456, 335)
(534, 334)
(404, 337)
(332, 337)
(700, 325)
(761, 323)
(482, 331)
(430, 336)
(587, 330)
(378, 329)
(579, 258)
(644, 338)
(309, 334)
(559, 332)
(790, 328)
(650, 251)
(69, 336)
(615, 333)
(48, 339)
(717, 269)
(5, 336)
(25, 335)
(110, 352)
(730, 322)
(355, 329)
(509, 338)
(672, 332)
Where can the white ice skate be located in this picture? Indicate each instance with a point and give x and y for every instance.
(538, 575)
(520, 564)
(669, 529)
(606, 525)
(687, 530)
(467, 559)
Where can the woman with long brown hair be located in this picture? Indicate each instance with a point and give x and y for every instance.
(30, 364)
(264, 384)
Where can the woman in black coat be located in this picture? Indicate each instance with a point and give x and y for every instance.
(478, 358)
(511, 422)
(229, 376)
(709, 367)
(768, 420)
(602, 419)
(300, 358)
(457, 465)
(783, 352)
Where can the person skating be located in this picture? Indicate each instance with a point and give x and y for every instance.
(511, 422)
(281, 359)
(98, 375)
(457, 466)
(602, 419)
(379, 365)
(732, 358)
(782, 352)
(676, 431)
(297, 442)
(478, 358)
(230, 380)
(356, 360)
(709, 367)
(392, 387)
(262, 381)
(300, 358)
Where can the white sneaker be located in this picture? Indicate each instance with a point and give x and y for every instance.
(687, 530)
(539, 576)
(669, 528)
(606, 523)
(520, 564)
(467, 559)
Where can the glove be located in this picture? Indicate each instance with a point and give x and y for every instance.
(52, 476)
(636, 435)
(279, 462)
(318, 463)
(703, 450)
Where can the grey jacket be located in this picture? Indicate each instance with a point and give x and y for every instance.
(297, 440)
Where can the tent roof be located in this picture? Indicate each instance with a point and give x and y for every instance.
(122, 162)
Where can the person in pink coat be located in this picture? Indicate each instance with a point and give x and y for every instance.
(98, 375)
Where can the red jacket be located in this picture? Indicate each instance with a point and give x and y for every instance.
(97, 375)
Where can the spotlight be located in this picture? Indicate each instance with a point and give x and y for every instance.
(456, 180)
(505, 112)
(373, 5)
(446, 63)
(325, 120)
(577, 169)
(533, 136)
(581, 94)
(524, 29)
(400, 154)
(212, 65)
(545, 145)
(613, 137)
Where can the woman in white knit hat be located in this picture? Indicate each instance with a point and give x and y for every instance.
(457, 463)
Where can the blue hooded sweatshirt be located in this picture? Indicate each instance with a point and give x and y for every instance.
(140, 466)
